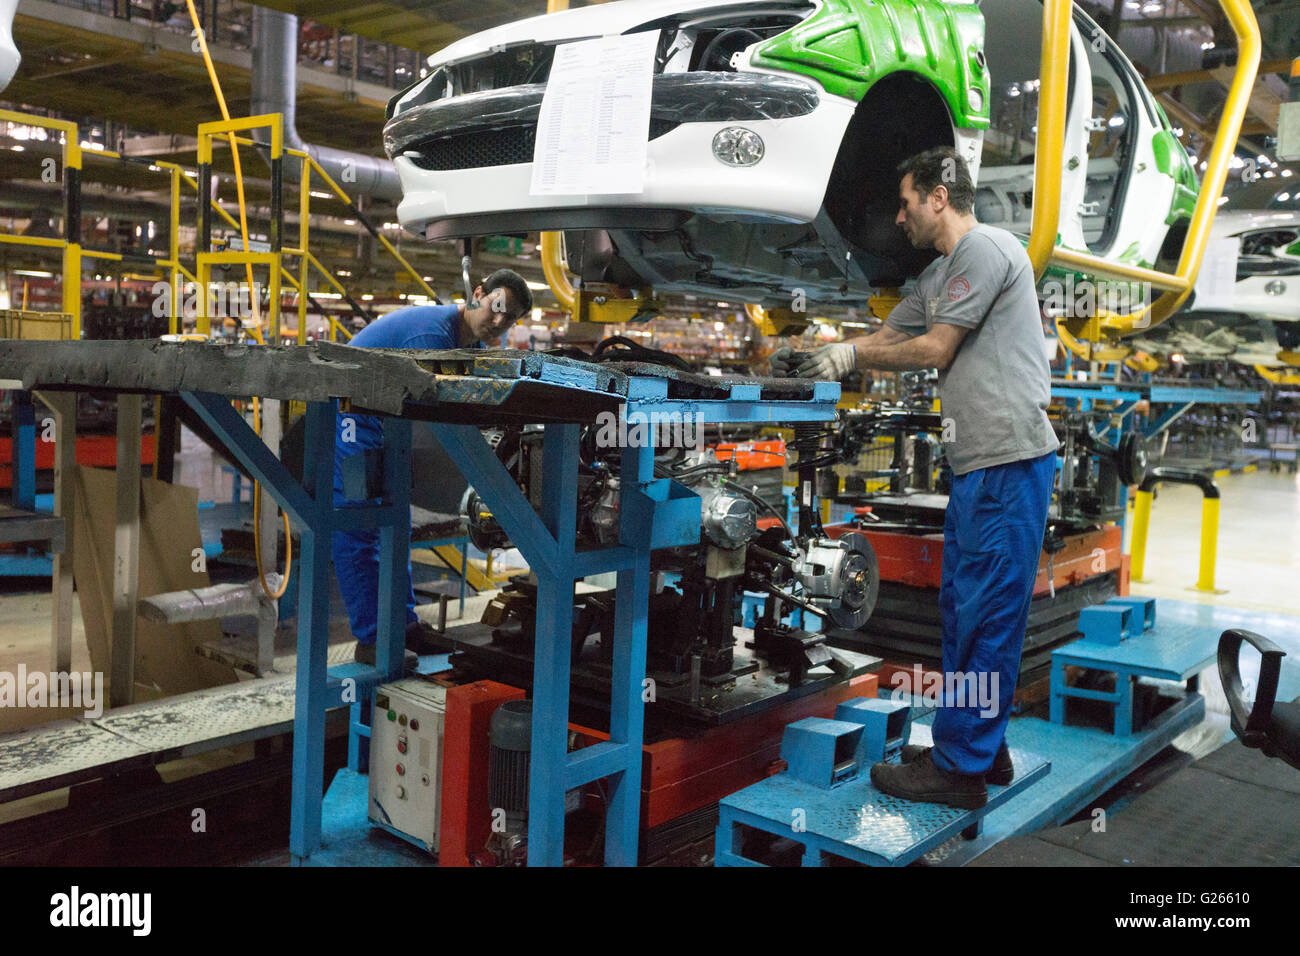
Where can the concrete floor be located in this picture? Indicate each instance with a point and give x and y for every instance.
(1258, 565)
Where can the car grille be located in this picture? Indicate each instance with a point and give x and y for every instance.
(482, 149)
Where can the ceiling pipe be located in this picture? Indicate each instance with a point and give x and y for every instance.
(275, 90)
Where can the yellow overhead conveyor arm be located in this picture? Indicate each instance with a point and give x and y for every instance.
(1277, 376)
(553, 267)
(1050, 157)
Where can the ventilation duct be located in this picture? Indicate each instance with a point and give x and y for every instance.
(275, 90)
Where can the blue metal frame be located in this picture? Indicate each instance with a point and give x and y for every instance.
(310, 505)
(658, 515)
(547, 543)
(22, 471)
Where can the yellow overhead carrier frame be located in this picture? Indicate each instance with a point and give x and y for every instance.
(1049, 162)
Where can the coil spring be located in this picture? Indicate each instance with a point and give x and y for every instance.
(807, 440)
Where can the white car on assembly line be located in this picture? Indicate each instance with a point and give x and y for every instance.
(9, 58)
(825, 98)
(1260, 317)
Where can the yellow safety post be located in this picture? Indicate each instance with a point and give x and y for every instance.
(1209, 522)
(304, 214)
(1141, 522)
(1209, 544)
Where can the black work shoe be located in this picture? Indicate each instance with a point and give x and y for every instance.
(365, 654)
(920, 780)
(1000, 774)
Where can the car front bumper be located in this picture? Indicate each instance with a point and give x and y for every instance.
(465, 163)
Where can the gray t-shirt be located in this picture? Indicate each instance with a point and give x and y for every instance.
(994, 395)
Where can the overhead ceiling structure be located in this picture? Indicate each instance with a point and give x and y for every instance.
(144, 75)
(1185, 50)
(424, 25)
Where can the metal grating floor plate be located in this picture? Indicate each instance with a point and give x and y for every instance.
(888, 830)
(214, 717)
(1172, 650)
(33, 760)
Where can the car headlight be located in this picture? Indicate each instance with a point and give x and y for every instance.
(737, 146)
(1276, 287)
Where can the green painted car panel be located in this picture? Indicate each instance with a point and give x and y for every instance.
(848, 45)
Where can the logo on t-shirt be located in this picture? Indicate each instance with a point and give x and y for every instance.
(958, 288)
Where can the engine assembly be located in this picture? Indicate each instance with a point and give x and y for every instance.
(698, 648)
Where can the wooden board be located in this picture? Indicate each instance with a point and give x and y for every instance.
(165, 662)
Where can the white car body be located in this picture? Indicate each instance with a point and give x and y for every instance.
(812, 218)
(9, 56)
(1261, 315)
(1268, 275)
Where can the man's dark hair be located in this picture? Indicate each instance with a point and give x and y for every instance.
(509, 279)
(942, 166)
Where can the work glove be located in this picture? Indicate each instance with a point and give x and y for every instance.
(831, 362)
(784, 361)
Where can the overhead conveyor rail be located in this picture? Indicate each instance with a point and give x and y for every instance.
(453, 391)
(1050, 163)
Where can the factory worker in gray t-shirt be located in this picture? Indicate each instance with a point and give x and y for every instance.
(974, 315)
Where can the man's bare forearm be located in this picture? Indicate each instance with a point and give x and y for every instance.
(901, 354)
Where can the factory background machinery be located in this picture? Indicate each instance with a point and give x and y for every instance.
(669, 603)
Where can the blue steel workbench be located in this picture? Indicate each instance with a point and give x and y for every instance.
(1179, 398)
(452, 391)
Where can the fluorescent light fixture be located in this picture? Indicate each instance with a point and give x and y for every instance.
(34, 274)
(535, 286)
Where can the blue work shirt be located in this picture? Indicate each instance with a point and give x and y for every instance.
(413, 327)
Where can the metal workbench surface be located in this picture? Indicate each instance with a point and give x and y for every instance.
(461, 385)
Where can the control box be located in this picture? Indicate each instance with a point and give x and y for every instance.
(406, 740)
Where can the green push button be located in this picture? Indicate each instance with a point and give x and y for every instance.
(392, 715)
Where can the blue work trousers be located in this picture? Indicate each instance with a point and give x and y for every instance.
(356, 553)
(992, 540)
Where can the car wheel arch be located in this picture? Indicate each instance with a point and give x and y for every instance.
(915, 117)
